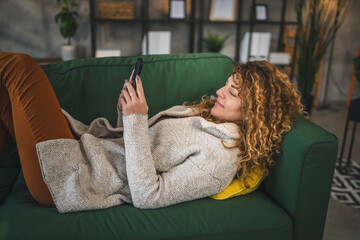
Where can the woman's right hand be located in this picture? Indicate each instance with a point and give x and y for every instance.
(121, 94)
(133, 100)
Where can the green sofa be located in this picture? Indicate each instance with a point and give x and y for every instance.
(290, 204)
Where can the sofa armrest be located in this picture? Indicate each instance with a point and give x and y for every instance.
(301, 181)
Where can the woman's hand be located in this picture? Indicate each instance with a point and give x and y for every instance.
(131, 101)
(122, 95)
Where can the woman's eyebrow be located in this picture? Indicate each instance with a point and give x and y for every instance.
(233, 86)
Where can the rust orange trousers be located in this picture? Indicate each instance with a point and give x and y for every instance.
(30, 113)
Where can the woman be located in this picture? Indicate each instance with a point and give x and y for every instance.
(183, 153)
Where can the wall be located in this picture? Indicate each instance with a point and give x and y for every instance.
(28, 26)
(345, 46)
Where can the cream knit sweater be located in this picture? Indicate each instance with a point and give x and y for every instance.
(140, 162)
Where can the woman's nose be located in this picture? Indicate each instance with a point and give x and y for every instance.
(219, 92)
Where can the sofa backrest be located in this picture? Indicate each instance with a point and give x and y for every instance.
(89, 88)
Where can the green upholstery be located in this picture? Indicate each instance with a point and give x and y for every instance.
(290, 204)
(89, 88)
(9, 168)
(22, 218)
(302, 179)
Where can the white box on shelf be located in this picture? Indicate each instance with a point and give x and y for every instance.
(177, 9)
(260, 46)
(159, 42)
(244, 47)
(255, 42)
(264, 46)
(108, 53)
(279, 58)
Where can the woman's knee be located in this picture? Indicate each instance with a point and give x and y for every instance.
(16, 57)
(16, 68)
(16, 61)
(23, 60)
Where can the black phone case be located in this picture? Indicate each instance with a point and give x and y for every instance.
(137, 71)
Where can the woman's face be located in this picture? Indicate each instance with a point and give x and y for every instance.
(228, 104)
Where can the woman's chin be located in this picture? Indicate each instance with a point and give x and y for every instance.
(214, 112)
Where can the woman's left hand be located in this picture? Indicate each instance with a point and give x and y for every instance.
(133, 101)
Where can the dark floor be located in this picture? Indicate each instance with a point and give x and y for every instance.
(343, 221)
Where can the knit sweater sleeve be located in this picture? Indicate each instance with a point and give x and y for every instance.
(119, 122)
(150, 189)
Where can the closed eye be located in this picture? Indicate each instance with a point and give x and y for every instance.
(232, 87)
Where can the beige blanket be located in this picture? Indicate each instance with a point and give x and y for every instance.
(138, 162)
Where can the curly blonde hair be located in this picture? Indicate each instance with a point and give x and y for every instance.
(271, 103)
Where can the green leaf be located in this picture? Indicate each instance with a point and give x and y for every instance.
(214, 42)
(66, 18)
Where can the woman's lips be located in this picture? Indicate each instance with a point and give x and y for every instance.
(219, 104)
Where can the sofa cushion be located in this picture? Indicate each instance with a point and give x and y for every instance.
(253, 216)
(237, 186)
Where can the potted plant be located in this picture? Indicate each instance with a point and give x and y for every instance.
(67, 20)
(214, 42)
(317, 23)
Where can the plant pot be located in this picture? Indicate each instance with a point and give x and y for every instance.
(308, 103)
(68, 52)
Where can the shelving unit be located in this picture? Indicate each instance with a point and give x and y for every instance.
(145, 22)
(196, 20)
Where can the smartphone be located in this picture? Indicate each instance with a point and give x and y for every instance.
(138, 67)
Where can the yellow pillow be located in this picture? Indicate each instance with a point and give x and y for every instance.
(237, 187)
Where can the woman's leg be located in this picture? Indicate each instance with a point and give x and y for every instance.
(36, 116)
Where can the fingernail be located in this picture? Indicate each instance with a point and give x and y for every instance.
(126, 80)
(137, 78)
